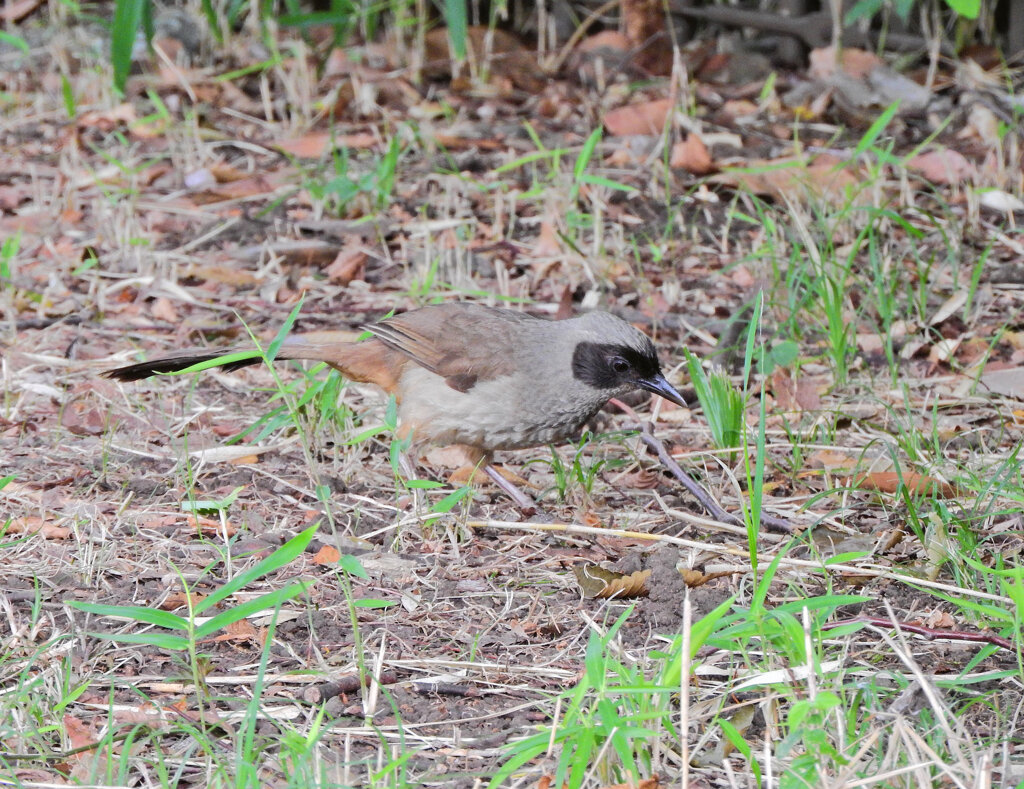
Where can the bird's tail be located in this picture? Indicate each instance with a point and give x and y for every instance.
(180, 362)
(315, 346)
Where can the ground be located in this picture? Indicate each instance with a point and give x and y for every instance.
(195, 210)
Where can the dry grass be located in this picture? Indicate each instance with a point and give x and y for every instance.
(468, 625)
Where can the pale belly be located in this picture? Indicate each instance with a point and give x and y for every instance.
(493, 415)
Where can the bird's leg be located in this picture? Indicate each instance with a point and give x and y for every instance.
(473, 460)
(524, 502)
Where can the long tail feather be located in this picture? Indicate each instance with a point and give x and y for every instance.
(177, 363)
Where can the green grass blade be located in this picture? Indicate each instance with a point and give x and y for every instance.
(261, 603)
(279, 558)
(150, 616)
(127, 19)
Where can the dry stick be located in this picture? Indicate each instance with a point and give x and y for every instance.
(921, 630)
(713, 507)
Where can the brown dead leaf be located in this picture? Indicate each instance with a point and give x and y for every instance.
(741, 108)
(240, 630)
(940, 619)
(1008, 381)
(832, 460)
(548, 244)
(163, 310)
(890, 482)
(315, 145)
(18, 10)
(328, 554)
(692, 155)
(642, 479)
(795, 179)
(801, 394)
(856, 63)
(605, 40)
(253, 186)
(148, 714)
(453, 143)
(176, 600)
(13, 195)
(83, 418)
(210, 526)
(648, 117)
(32, 524)
(236, 276)
(942, 167)
(82, 739)
(498, 54)
(350, 263)
(597, 582)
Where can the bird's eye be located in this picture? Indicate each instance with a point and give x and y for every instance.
(619, 364)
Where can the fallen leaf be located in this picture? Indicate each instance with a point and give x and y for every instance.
(240, 630)
(328, 554)
(856, 63)
(209, 526)
(163, 309)
(548, 243)
(350, 264)
(890, 482)
(692, 155)
(84, 419)
(18, 10)
(31, 524)
(176, 600)
(316, 144)
(831, 460)
(940, 619)
(598, 582)
(942, 167)
(1008, 381)
(790, 178)
(647, 117)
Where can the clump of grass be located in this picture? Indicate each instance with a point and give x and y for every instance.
(722, 404)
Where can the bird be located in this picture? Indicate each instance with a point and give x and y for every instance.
(485, 378)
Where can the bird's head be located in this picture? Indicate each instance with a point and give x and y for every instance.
(616, 357)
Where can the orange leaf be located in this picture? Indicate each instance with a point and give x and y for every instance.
(889, 482)
(242, 630)
(327, 555)
(646, 118)
(692, 155)
(32, 524)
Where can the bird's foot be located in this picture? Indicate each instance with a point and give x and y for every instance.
(470, 475)
(507, 480)
(526, 505)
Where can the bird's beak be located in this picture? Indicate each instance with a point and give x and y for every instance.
(659, 386)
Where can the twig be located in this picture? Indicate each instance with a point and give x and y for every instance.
(922, 630)
(713, 507)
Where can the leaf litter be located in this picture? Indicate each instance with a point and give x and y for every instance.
(138, 233)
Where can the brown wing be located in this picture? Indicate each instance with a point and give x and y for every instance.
(462, 343)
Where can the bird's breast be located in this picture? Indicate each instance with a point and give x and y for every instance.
(508, 412)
